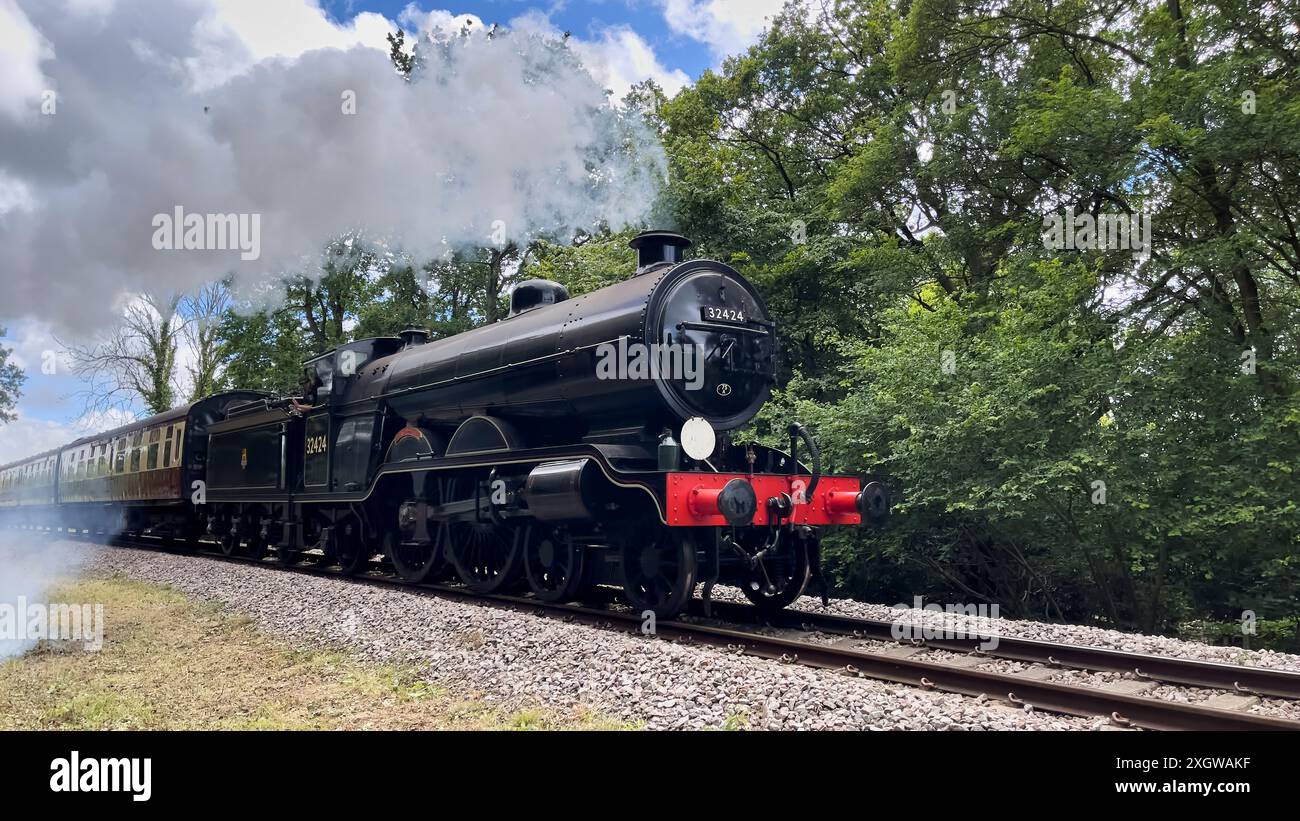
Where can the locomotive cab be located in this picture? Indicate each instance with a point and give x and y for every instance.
(328, 377)
(342, 434)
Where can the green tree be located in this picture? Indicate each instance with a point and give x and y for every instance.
(885, 171)
(11, 382)
(263, 348)
(204, 312)
(135, 362)
(590, 262)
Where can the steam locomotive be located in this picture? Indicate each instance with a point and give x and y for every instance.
(579, 443)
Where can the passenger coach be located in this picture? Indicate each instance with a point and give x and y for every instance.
(138, 478)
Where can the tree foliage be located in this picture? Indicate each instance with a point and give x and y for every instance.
(1073, 433)
(11, 382)
(134, 362)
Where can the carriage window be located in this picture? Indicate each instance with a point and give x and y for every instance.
(167, 450)
(180, 443)
(153, 449)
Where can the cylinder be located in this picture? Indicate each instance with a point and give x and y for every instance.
(563, 491)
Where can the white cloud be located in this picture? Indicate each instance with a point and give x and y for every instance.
(618, 58)
(414, 19)
(27, 436)
(621, 58)
(22, 48)
(726, 26)
(494, 131)
(233, 35)
(29, 342)
(14, 193)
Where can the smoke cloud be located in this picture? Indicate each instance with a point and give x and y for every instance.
(502, 136)
(31, 566)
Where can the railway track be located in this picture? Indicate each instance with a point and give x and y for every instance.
(1120, 709)
(1256, 681)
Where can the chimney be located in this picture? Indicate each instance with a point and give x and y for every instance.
(658, 247)
(412, 337)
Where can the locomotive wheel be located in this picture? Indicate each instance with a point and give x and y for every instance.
(350, 549)
(488, 557)
(553, 565)
(255, 548)
(416, 562)
(229, 542)
(776, 581)
(420, 561)
(659, 573)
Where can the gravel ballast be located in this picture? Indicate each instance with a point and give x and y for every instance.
(518, 660)
(1044, 631)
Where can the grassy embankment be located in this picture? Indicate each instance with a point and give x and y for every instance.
(169, 663)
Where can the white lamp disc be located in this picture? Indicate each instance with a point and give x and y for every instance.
(698, 438)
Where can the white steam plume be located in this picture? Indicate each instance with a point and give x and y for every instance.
(502, 135)
(29, 566)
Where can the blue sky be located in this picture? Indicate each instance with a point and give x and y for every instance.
(618, 41)
(585, 19)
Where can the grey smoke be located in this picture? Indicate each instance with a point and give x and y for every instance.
(504, 134)
(29, 566)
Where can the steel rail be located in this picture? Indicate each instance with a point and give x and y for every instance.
(1090, 702)
(1258, 681)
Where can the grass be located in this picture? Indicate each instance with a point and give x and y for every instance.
(169, 663)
